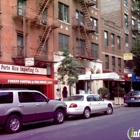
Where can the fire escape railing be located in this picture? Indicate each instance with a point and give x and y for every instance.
(85, 25)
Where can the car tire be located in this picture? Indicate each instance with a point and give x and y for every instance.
(59, 116)
(109, 110)
(86, 113)
(13, 124)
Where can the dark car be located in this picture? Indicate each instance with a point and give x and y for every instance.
(133, 97)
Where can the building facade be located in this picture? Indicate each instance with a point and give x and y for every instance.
(120, 26)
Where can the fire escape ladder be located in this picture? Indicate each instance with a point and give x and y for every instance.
(88, 24)
(43, 40)
(87, 42)
(43, 5)
(86, 14)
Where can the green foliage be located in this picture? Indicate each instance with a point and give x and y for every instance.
(138, 3)
(118, 92)
(103, 92)
(136, 59)
(68, 67)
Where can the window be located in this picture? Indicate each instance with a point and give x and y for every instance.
(25, 97)
(63, 12)
(126, 19)
(133, 4)
(79, 18)
(119, 64)
(63, 42)
(90, 98)
(20, 47)
(94, 23)
(6, 97)
(80, 47)
(106, 62)
(133, 22)
(94, 48)
(133, 41)
(112, 40)
(113, 63)
(97, 98)
(45, 49)
(44, 17)
(38, 97)
(96, 5)
(106, 38)
(125, 3)
(126, 39)
(119, 43)
(21, 7)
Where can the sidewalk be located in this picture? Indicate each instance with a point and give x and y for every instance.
(117, 105)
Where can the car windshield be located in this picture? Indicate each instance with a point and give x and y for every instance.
(134, 93)
(75, 98)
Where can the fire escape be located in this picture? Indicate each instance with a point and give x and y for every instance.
(87, 27)
(136, 12)
(49, 25)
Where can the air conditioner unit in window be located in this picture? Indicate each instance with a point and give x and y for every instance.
(43, 22)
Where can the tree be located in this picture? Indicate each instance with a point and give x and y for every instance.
(136, 53)
(68, 68)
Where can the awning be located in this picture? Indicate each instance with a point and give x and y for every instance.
(11, 78)
(102, 76)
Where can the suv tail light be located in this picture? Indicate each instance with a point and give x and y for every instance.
(73, 105)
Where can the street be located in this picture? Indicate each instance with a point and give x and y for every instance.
(98, 127)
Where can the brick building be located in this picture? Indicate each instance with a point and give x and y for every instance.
(120, 26)
(38, 31)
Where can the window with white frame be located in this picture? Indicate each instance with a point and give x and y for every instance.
(119, 42)
(106, 61)
(63, 12)
(119, 64)
(125, 2)
(79, 18)
(113, 63)
(63, 42)
(112, 40)
(80, 47)
(94, 23)
(126, 19)
(126, 38)
(106, 38)
(94, 48)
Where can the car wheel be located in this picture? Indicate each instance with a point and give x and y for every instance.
(109, 110)
(13, 124)
(86, 113)
(59, 116)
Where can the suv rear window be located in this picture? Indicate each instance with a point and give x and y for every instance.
(6, 97)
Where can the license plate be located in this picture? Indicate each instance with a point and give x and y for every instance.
(132, 98)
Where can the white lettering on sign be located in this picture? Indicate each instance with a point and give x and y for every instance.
(22, 69)
(29, 82)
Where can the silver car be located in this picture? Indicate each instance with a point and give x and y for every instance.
(86, 104)
(23, 107)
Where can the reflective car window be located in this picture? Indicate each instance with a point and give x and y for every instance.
(6, 97)
(38, 97)
(97, 98)
(25, 97)
(133, 93)
(75, 98)
(90, 98)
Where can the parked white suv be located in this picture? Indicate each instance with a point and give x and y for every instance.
(23, 107)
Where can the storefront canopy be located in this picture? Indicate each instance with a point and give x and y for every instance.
(102, 76)
(11, 78)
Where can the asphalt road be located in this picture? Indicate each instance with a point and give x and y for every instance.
(98, 127)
